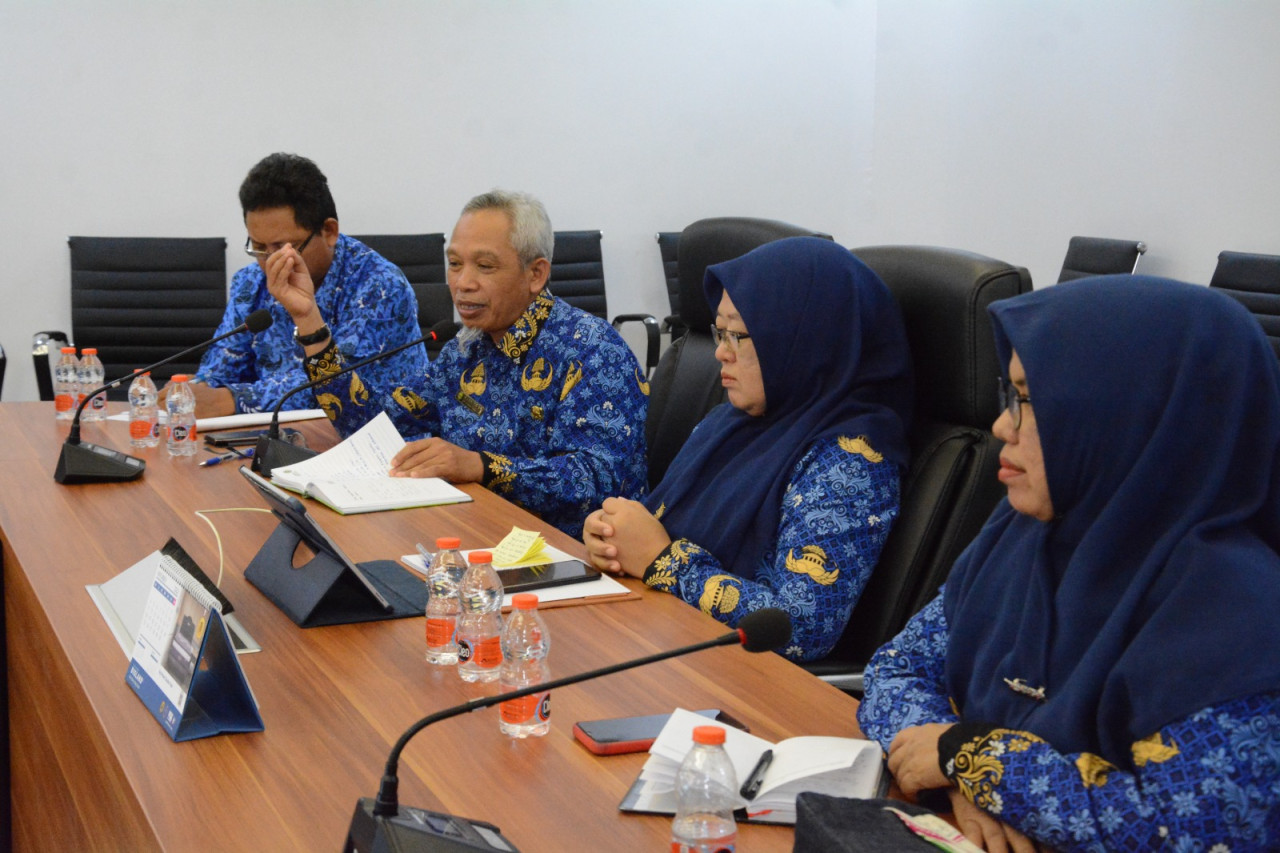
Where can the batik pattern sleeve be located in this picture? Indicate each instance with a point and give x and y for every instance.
(904, 682)
(257, 369)
(1209, 782)
(837, 511)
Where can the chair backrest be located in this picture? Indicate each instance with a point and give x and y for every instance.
(686, 384)
(1255, 281)
(421, 258)
(4, 362)
(577, 271)
(1088, 256)
(140, 299)
(668, 247)
(950, 487)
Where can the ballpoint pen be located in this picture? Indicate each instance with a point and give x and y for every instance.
(223, 457)
(755, 779)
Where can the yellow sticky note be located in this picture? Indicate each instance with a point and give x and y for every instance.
(520, 548)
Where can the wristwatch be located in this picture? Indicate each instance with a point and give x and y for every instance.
(318, 336)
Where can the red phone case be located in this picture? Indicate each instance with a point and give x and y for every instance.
(616, 748)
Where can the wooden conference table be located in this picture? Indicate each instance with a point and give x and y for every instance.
(92, 770)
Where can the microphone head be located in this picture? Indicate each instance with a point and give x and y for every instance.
(259, 320)
(444, 331)
(764, 630)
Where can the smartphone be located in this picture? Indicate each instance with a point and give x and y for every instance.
(244, 437)
(528, 578)
(632, 734)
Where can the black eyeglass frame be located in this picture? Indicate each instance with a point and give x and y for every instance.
(735, 339)
(1011, 401)
(266, 253)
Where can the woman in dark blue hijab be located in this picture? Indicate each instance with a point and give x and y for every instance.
(1102, 670)
(783, 496)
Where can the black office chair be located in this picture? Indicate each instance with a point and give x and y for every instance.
(4, 361)
(1088, 256)
(577, 277)
(421, 258)
(1254, 280)
(138, 300)
(950, 488)
(669, 247)
(686, 384)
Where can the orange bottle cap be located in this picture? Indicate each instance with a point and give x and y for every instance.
(708, 734)
(480, 557)
(524, 601)
(450, 542)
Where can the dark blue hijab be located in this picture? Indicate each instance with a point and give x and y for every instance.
(1155, 591)
(834, 359)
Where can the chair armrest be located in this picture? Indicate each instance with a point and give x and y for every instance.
(653, 333)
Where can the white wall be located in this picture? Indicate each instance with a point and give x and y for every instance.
(141, 118)
(1001, 127)
(1008, 127)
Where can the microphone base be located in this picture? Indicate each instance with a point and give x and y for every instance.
(93, 463)
(272, 453)
(420, 831)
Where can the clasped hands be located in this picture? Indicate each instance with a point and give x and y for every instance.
(623, 537)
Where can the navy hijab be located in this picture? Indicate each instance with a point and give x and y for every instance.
(1155, 591)
(834, 357)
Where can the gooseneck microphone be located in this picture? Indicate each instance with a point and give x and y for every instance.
(82, 462)
(274, 452)
(374, 825)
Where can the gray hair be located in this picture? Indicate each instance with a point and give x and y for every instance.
(531, 234)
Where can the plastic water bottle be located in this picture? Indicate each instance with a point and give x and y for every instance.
(480, 622)
(144, 416)
(444, 576)
(525, 645)
(706, 792)
(181, 403)
(66, 385)
(92, 375)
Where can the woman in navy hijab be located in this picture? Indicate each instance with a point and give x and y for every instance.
(1102, 669)
(783, 496)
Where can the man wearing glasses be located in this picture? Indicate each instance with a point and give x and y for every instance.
(334, 300)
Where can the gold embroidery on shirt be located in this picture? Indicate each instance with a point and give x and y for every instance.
(536, 411)
(662, 508)
(502, 475)
(357, 392)
(475, 383)
(536, 376)
(1093, 769)
(409, 400)
(331, 405)
(1153, 749)
(720, 594)
(812, 562)
(977, 768)
(640, 381)
(860, 446)
(572, 378)
(517, 340)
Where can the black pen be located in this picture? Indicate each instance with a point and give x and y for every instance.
(751, 787)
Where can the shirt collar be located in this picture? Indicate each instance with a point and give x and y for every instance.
(520, 337)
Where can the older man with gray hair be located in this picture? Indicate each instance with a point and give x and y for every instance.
(537, 400)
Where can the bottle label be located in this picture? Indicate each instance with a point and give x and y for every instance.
(440, 632)
(64, 402)
(526, 709)
(486, 653)
(99, 402)
(141, 429)
(181, 432)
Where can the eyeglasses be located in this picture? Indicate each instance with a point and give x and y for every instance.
(1012, 400)
(265, 251)
(734, 339)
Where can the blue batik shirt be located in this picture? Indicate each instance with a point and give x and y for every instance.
(369, 308)
(556, 411)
